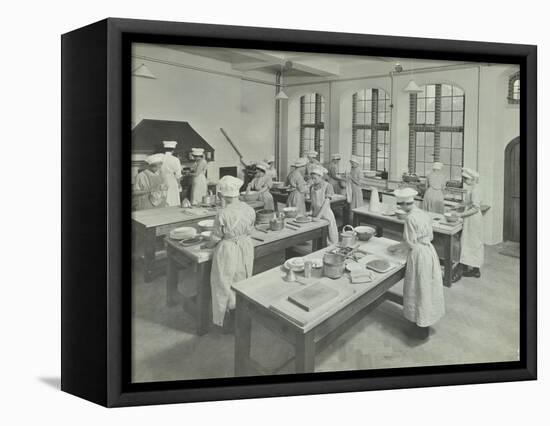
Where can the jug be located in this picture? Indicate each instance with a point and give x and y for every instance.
(374, 204)
(347, 236)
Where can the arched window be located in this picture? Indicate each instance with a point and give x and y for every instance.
(371, 117)
(436, 130)
(312, 123)
(513, 88)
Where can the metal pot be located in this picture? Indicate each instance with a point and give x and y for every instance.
(333, 265)
(277, 222)
(264, 216)
(348, 236)
(209, 200)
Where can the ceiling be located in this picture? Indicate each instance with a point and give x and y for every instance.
(298, 64)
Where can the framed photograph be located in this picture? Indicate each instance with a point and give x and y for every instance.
(255, 212)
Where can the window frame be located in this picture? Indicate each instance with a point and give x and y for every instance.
(374, 127)
(511, 90)
(318, 124)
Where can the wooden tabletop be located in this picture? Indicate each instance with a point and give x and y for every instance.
(438, 220)
(269, 288)
(167, 215)
(199, 255)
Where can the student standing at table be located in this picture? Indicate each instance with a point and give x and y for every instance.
(149, 189)
(233, 255)
(355, 190)
(423, 301)
(171, 173)
(271, 170)
(471, 240)
(312, 162)
(297, 196)
(262, 183)
(333, 175)
(433, 198)
(199, 185)
(321, 191)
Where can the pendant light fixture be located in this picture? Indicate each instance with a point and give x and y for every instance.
(143, 71)
(281, 95)
(412, 87)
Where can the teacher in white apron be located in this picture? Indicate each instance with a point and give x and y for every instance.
(171, 174)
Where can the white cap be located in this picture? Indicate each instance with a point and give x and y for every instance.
(311, 153)
(405, 195)
(197, 151)
(155, 158)
(469, 173)
(300, 162)
(335, 156)
(355, 159)
(170, 144)
(229, 186)
(319, 170)
(270, 159)
(262, 166)
(437, 165)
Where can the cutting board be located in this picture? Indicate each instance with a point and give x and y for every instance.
(313, 296)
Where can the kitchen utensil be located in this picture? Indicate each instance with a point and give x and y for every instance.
(333, 265)
(250, 196)
(347, 236)
(302, 219)
(290, 212)
(191, 241)
(308, 266)
(183, 233)
(185, 203)
(295, 263)
(206, 225)
(277, 184)
(277, 222)
(317, 263)
(261, 229)
(264, 216)
(369, 173)
(292, 228)
(451, 217)
(374, 202)
(208, 200)
(257, 239)
(364, 233)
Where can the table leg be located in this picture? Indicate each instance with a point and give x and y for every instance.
(149, 242)
(321, 242)
(448, 261)
(243, 334)
(305, 353)
(356, 220)
(172, 293)
(204, 299)
(346, 212)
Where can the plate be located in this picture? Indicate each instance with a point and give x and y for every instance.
(295, 263)
(303, 219)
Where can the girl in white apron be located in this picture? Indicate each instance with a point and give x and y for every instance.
(356, 193)
(149, 189)
(199, 186)
(233, 256)
(434, 198)
(471, 240)
(298, 187)
(423, 301)
(262, 183)
(171, 173)
(338, 184)
(321, 191)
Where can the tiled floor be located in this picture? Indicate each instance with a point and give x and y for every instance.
(481, 325)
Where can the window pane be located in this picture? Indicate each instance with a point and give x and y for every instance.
(420, 104)
(420, 138)
(368, 118)
(445, 140)
(381, 165)
(457, 140)
(457, 91)
(446, 90)
(421, 117)
(429, 153)
(458, 103)
(456, 157)
(458, 119)
(446, 170)
(368, 94)
(445, 155)
(446, 103)
(420, 153)
(456, 173)
(430, 118)
(420, 169)
(429, 139)
(382, 117)
(430, 104)
(359, 107)
(430, 91)
(445, 118)
(360, 118)
(368, 106)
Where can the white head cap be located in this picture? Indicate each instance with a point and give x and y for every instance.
(170, 144)
(155, 158)
(437, 165)
(229, 186)
(319, 170)
(197, 151)
(311, 153)
(469, 173)
(405, 195)
(270, 159)
(335, 156)
(355, 159)
(262, 166)
(300, 162)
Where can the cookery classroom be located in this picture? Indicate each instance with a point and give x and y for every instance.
(299, 212)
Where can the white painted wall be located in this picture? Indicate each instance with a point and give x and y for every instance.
(244, 109)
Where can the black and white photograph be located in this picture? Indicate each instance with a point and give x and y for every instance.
(308, 212)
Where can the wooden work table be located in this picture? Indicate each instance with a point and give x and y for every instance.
(150, 224)
(267, 254)
(259, 296)
(337, 201)
(446, 235)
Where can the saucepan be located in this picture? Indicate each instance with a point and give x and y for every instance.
(333, 265)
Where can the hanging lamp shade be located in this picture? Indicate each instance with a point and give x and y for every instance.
(412, 87)
(143, 71)
(281, 95)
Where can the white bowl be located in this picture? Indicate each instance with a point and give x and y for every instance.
(183, 233)
(206, 225)
(206, 234)
(369, 173)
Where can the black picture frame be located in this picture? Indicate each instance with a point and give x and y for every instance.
(96, 225)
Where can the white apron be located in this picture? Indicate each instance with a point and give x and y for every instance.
(199, 186)
(471, 240)
(171, 173)
(356, 193)
(433, 198)
(233, 257)
(297, 197)
(259, 183)
(423, 301)
(322, 210)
